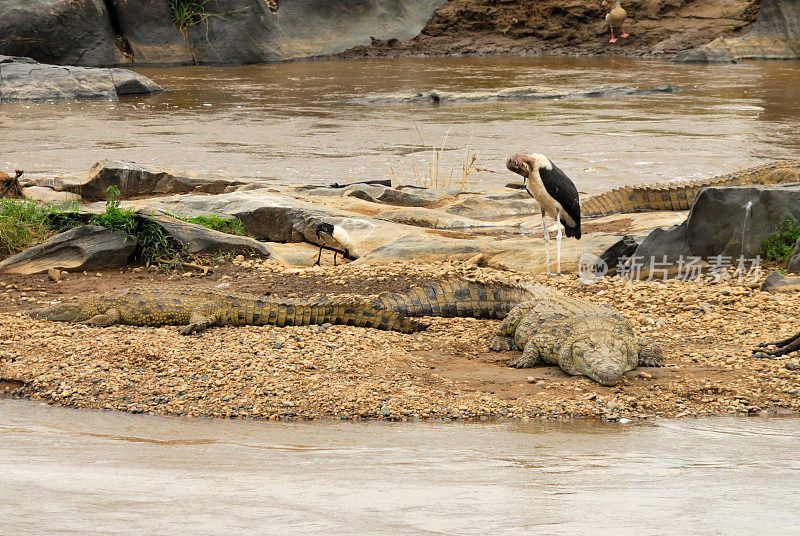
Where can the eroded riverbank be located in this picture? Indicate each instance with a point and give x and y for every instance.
(445, 372)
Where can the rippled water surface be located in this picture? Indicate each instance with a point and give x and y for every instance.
(293, 123)
(67, 471)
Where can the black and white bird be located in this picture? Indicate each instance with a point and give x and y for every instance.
(556, 195)
(335, 238)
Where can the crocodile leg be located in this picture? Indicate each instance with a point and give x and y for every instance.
(530, 357)
(198, 322)
(504, 336)
(650, 353)
(786, 346)
(109, 318)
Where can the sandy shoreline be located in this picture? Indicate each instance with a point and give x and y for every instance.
(445, 372)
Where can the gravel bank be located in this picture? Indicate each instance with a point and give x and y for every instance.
(446, 372)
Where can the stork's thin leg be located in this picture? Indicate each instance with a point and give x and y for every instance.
(558, 244)
(613, 39)
(546, 242)
(319, 257)
(334, 257)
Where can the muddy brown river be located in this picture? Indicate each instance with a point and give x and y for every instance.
(88, 472)
(294, 122)
(65, 471)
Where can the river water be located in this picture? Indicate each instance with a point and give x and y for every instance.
(65, 471)
(293, 123)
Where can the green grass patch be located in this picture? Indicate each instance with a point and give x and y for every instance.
(22, 224)
(779, 246)
(232, 226)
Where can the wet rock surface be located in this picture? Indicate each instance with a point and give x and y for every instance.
(24, 79)
(513, 93)
(89, 247)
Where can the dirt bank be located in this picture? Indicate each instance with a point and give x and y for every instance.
(573, 27)
(445, 372)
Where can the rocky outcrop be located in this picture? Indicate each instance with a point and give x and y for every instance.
(225, 31)
(50, 196)
(731, 222)
(794, 263)
(89, 247)
(774, 35)
(777, 282)
(24, 79)
(512, 93)
(55, 31)
(681, 195)
(134, 180)
(618, 252)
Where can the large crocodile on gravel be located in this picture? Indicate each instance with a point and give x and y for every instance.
(197, 309)
(581, 337)
(681, 195)
(547, 325)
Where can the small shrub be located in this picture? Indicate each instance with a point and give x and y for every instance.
(187, 13)
(780, 245)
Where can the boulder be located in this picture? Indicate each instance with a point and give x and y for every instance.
(55, 31)
(794, 263)
(777, 282)
(193, 238)
(728, 221)
(662, 246)
(774, 35)
(735, 220)
(24, 79)
(134, 180)
(625, 247)
(89, 247)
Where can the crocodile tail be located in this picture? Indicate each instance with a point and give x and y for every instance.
(343, 311)
(454, 298)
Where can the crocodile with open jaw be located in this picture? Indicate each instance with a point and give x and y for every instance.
(545, 324)
(681, 195)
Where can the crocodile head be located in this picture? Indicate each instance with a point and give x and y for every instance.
(603, 357)
(62, 312)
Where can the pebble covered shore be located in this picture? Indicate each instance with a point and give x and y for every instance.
(444, 373)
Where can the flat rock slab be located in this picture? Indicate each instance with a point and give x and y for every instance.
(134, 180)
(24, 79)
(512, 93)
(89, 247)
(50, 196)
(193, 238)
(777, 282)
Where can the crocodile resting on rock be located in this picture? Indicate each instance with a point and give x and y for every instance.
(681, 195)
(545, 324)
